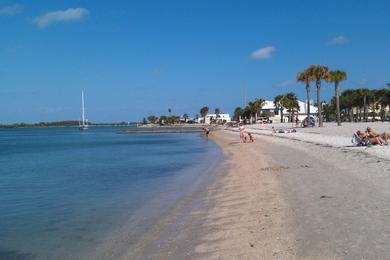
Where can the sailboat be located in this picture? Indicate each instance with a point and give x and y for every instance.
(83, 124)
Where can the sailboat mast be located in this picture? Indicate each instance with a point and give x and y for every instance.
(82, 109)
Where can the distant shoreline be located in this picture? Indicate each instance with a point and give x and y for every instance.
(161, 131)
(66, 124)
(13, 126)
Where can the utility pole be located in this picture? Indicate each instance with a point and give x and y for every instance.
(244, 90)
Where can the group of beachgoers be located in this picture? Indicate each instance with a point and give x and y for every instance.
(283, 130)
(250, 138)
(370, 137)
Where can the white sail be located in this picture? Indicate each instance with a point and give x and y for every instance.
(83, 125)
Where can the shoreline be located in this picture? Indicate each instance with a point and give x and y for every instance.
(239, 214)
(153, 227)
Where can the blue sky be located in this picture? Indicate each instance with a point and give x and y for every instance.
(136, 58)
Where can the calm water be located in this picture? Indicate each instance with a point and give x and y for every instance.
(64, 192)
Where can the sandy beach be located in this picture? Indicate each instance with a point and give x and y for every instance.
(329, 135)
(240, 215)
(280, 199)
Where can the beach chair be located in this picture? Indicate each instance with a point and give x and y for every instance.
(356, 140)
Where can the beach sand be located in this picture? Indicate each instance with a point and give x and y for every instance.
(249, 218)
(279, 199)
(330, 135)
(240, 215)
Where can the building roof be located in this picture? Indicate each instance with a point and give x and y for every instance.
(221, 115)
(302, 107)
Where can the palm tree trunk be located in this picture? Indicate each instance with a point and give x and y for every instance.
(308, 103)
(281, 114)
(289, 116)
(365, 116)
(320, 124)
(351, 114)
(337, 90)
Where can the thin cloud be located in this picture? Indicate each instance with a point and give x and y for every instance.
(68, 15)
(11, 9)
(287, 83)
(263, 53)
(338, 40)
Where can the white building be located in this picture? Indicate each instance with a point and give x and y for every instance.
(220, 119)
(274, 112)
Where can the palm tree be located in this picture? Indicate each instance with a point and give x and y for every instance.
(328, 110)
(217, 112)
(336, 77)
(369, 99)
(278, 102)
(246, 113)
(290, 101)
(203, 112)
(252, 110)
(238, 113)
(152, 119)
(318, 73)
(350, 99)
(382, 97)
(257, 106)
(306, 78)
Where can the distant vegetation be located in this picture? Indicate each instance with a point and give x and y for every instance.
(361, 104)
(317, 74)
(350, 105)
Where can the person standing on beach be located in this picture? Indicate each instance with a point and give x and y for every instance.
(206, 131)
(241, 129)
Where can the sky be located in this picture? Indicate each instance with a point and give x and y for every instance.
(139, 58)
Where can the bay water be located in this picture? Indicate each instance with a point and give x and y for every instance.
(63, 192)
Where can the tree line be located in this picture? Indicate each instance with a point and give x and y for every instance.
(254, 108)
(355, 104)
(165, 119)
(318, 74)
(350, 105)
(289, 101)
(174, 119)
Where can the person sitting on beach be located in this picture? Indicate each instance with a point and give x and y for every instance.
(372, 134)
(368, 139)
(385, 136)
(252, 137)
